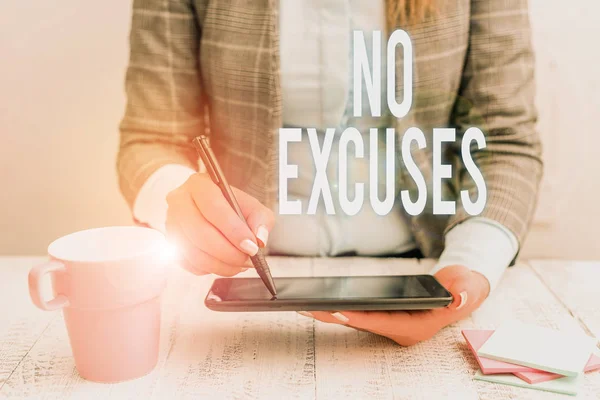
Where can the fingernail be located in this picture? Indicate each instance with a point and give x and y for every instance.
(463, 300)
(262, 234)
(305, 313)
(249, 247)
(340, 317)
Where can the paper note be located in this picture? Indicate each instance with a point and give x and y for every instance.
(537, 376)
(566, 385)
(475, 339)
(540, 348)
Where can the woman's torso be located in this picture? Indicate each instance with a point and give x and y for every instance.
(240, 76)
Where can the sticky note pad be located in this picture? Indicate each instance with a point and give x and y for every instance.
(537, 376)
(565, 385)
(475, 339)
(540, 348)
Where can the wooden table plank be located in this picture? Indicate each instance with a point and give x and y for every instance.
(349, 363)
(576, 284)
(237, 355)
(275, 355)
(21, 323)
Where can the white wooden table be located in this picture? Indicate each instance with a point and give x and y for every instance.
(283, 355)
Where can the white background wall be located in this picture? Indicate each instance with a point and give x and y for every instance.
(568, 76)
(61, 99)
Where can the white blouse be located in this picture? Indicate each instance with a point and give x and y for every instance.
(316, 53)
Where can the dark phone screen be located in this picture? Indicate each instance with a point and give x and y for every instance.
(331, 288)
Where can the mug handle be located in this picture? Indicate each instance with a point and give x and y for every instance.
(35, 292)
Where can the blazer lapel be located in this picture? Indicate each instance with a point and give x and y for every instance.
(240, 71)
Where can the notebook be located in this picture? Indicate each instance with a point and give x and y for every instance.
(540, 348)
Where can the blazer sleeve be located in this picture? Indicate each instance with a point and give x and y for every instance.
(165, 107)
(497, 94)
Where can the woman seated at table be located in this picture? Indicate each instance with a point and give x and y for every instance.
(239, 71)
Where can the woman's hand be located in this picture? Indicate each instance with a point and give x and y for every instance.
(209, 234)
(406, 328)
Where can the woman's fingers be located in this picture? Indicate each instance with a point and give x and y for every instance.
(468, 291)
(188, 266)
(213, 237)
(259, 218)
(380, 322)
(466, 286)
(195, 260)
(202, 234)
(219, 213)
(323, 316)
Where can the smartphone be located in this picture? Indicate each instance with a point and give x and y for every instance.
(404, 292)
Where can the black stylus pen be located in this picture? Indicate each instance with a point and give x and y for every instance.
(217, 176)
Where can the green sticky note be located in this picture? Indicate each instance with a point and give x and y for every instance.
(564, 353)
(567, 385)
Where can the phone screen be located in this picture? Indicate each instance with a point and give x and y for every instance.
(331, 288)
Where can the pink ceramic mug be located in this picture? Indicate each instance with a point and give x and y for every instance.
(108, 282)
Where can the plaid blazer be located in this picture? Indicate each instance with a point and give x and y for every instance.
(212, 66)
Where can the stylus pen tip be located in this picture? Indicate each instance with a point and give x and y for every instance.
(262, 268)
(272, 289)
(268, 281)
